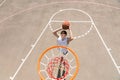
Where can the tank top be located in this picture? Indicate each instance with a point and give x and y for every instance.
(62, 42)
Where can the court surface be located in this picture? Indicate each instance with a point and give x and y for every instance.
(25, 33)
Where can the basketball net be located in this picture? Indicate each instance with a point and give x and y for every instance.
(53, 65)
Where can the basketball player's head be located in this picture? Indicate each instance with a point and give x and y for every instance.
(63, 34)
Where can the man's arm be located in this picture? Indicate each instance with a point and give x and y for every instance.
(71, 36)
(55, 32)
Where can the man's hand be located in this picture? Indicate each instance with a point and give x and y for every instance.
(55, 32)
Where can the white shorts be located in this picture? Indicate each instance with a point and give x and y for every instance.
(63, 50)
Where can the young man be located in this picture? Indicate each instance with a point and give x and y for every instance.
(62, 39)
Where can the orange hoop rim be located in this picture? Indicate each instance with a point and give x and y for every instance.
(52, 47)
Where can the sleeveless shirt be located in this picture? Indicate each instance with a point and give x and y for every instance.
(62, 42)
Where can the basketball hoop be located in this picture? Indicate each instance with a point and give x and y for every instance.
(57, 67)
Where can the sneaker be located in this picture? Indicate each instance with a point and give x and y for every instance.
(65, 52)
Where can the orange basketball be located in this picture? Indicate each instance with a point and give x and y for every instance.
(65, 25)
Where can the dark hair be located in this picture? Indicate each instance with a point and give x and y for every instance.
(63, 32)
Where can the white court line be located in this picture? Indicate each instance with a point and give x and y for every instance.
(106, 47)
(33, 46)
(23, 60)
(2, 2)
(89, 21)
(72, 21)
(76, 37)
(118, 66)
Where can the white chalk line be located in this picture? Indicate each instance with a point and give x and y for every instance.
(33, 46)
(83, 12)
(2, 2)
(108, 49)
(118, 66)
(75, 37)
(59, 21)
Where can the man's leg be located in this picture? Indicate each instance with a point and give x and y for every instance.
(59, 73)
(63, 73)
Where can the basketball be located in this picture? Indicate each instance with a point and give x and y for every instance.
(65, 25)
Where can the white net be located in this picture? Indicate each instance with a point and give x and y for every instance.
(52, 68)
